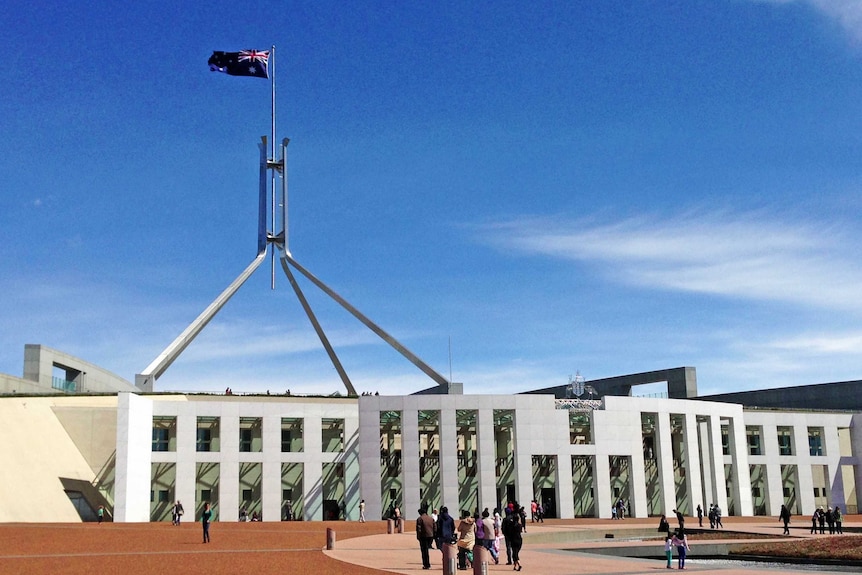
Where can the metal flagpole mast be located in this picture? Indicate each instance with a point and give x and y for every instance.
(273, 158)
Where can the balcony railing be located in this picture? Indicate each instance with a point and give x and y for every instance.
(64, 384)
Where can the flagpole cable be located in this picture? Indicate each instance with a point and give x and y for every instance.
(272, 157)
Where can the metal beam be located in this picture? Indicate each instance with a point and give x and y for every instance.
(147, 378)
(320, 334)
(394, 343)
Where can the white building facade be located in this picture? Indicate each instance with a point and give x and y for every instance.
(285, 457)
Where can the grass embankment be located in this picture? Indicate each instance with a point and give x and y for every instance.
(838, 548)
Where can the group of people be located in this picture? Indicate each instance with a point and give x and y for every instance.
(619, 509)
(831, 517)
(255, 516)
(714, 516)
(484, 529)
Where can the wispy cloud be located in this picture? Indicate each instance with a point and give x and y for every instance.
(746, 256)
(848, 13)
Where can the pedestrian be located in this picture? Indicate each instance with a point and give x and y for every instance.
(830, 520)
(445, 528)
(177, 512)
(680, 541)
(534, 511)
(784, 517)
(814, 519)
(362, 511)
(663, 525)
(718, 523)
(487, 534)
(504, 529)
(699, 515)
(711, 515)
(540, 512)
(205, 521)
(513, 535)
(466, 540)
(425, 535)
(821, 520)
(838, 521)
(668, 549)
(101, 513)
(680, 518)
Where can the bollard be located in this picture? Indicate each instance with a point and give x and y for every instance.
(450, 559)
(330, 539)
(481, 558)
(390, 526)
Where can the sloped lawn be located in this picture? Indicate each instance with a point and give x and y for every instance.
(840, 547)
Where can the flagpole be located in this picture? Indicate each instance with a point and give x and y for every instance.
(272, 156)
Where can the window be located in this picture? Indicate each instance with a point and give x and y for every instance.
(725, 440)
(250, 436)
(161, 437)
(815, 441)
(245, 440)
(164, 496)
(333, 435)
(754, 445)
(207, 434)
(204, 439)
(785, 441)
(164, 433)
(291, 434)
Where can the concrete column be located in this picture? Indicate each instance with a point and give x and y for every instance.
(449, 492)
(410, 473)
(486, 458)
(664, 459)
(186, 490)
(693, 485)
(602, 487)
(565, 489)
(370, 482)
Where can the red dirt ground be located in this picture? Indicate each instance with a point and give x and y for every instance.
(160, 548)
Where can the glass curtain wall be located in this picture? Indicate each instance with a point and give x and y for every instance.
(504, 448)
(163, 480)
(429, 458)
(390, 462)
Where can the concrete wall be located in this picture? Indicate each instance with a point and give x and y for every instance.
(39, 362)
(37, 454)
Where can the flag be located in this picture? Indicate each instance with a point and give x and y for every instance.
(243, 63)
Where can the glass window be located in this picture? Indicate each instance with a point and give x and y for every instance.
(164, 433)
(752, 433)
(291, 434)
(161, 437)
(815, 441)
(785, 441)
(333, 435)
(207, 434)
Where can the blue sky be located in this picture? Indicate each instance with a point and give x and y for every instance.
(605, 187)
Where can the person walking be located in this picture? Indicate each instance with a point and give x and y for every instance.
(466, 540)
(425, 535)
(205, 521)
(101, 513)
(488, 534)
(821, 520)
(504, 529)
(512, 532)
(830, 521)
(814, 518)
(680, 541)
(445, 528)
(699, 515)
(362, 511)
(718, 523)
(839, 529)
(784, 517)
(177, 512)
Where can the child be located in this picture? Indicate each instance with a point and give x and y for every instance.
(668, 550)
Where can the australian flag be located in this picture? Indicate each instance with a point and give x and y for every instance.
(243, 63)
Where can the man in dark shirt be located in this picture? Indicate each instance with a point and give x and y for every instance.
(425, 535)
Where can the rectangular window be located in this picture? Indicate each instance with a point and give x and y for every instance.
(164, 496)
(752, 434)
(164, 433)
(245, 440)
(815, 441)
(785, 441)
(160, 439)
(333, 435)
(291, 434)
(207, 434)
(204, 441)
(725, 440)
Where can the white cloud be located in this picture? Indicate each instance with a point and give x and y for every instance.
(848, 13)
(741, 256)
